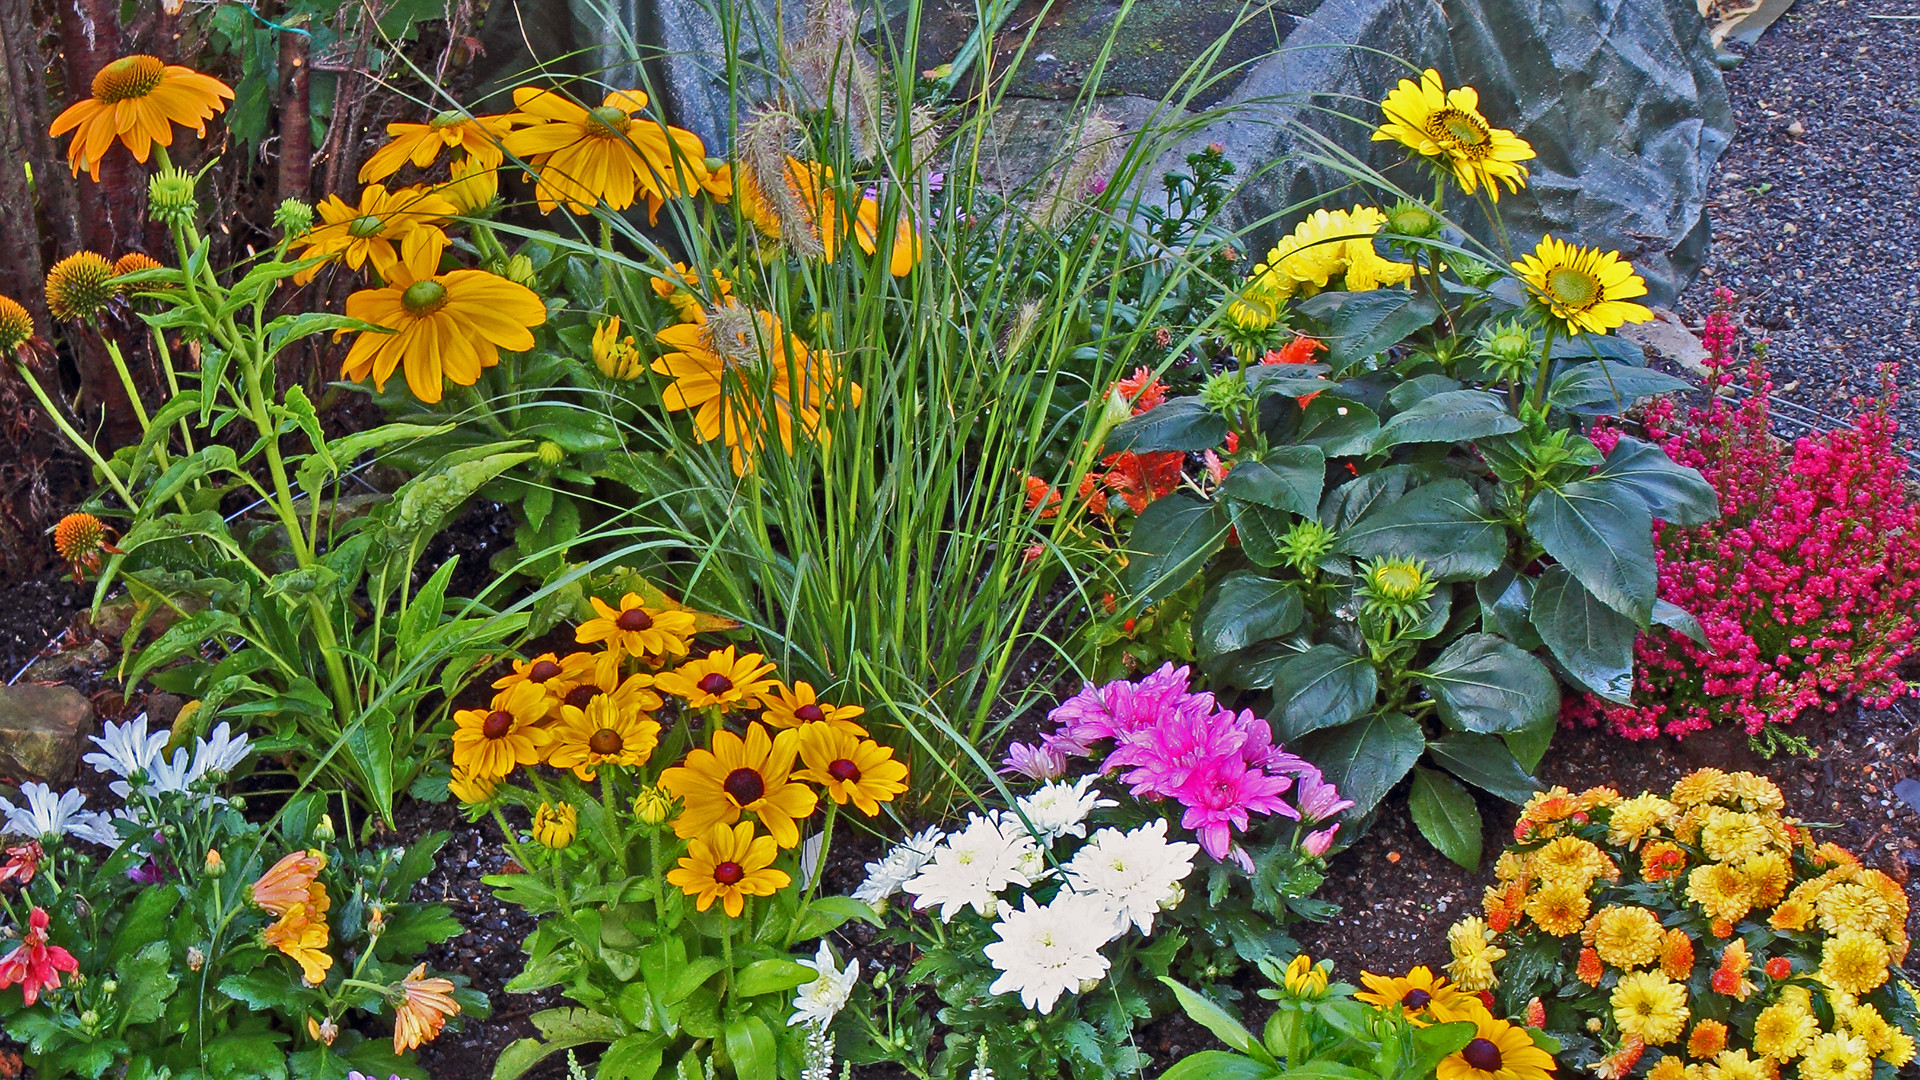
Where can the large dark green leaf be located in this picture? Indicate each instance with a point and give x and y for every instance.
(1441, 524)
(1600, 531)
(1505, 599)
(1591, 640)
(1672, 491)
(1219, 1065)
(1446, 816)
(1171, 541)
(1366, 758)
(1322, 687)
(1485, 684)
(1340, 428)
(1243, 608)
(1486, 763)
(1454, 416)
(1372, 322)
(1289, 478)
(1608, 388)
(1260, 528)
(1180, 424)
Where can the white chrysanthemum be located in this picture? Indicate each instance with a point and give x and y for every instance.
(1060, 809)
(972, 866)
(127, 749)
(884, 878)
(164, 776)
(819, 1001)
(219, 755)
(1133, 873)
(1044, 952)
(47, 816)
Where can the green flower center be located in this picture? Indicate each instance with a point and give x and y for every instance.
(607, 122)
(1457, 130)
(1575, 290)
(450, 118)
(1399, 581)
(424, 297)
(364, 226)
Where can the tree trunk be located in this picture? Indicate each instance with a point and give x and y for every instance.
(296, 118)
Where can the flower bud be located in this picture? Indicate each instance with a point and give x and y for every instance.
(170, 198)
(293, 218)
(520, 270)
(88, 1019)
(1173, 898)
(551, 453)
(323, 1031)
(1408, 218)
(652, 805)
(1088, 986)
(195, 958)
(216, 866)
(376, 920)
(1226, 393)
(323, 832)
(110, 986)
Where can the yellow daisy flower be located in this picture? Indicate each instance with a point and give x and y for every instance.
(801, 706)
(477, 138)
(1587, 289)
(137, 99)
(301, 934)
(750, 775)
(609, 154)
(601, 734)
(444, 327)
(1446, 125)
(729, 864)
(651, 635)
(1498, 1051)
(1650, 1005)
(1425, 998)
(1327, 244)
(545, 671)
(1836, 1056)
(720, 680)
(385, 229)
(849, 768)
(489, 742)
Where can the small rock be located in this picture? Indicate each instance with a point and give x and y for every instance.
(1789, 229)
(162, 707)
(40, 730)
(1796, 129)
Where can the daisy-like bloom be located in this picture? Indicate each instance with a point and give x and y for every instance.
(1328, 244)
(476, 138)
(1446, 126)
(609, 154)
(554, 827)
(1060, 809)
(1560, 908)
(618, 358)
(472, 186)
(384, 229)
(721, 680)
(33, 964)
(1044, 952)
(1135, 874)
(219, 755)
(1721, 891)
(1474, 954)
(80, 286)
(1733, 836)
(1587, 289)
(1034, 762)
(470, 787)
(443, 327)
(288, 882)
(819, 1001)
(1709, 1037)
(1854, 962)
(971, 866)
(1837, 1056)
(636, 630)
(898, 866)
(421, 1006)
(1498, 1051)
(16, 326)
(137, 99)
(849, 768)
(1783, 1030)
(1627, 937)
(1739, 1065)
(546, 671)
(729, 863)
(603, 733)
(127, 749)
(489, 742)
(750, 775)
(1650, 1005)
(1572, 861)
(801, 706)
(632, 694)
(1424, 997)
(301, 934)
(682, 288)
(1768, 876)
(1633, 820)
(49, 817)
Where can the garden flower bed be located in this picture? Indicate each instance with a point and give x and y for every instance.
(931, 629)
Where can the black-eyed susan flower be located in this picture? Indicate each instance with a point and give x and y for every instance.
(16, 326)
(490, 742)
(583, 157)
(1587, 289)
(729, 864)
(849, 768)
(138, 99)
(1498, 1051)
(801, 706)
(720, 680)
(470, 787)
(1446, 126)
(634, 629)
(1424, 997)
(682, 288)
(547, 672)
(444, 327)
(476, 138)
(632, 693)
(602, 733)
(385, 228)
(617, 357)
(741, 775)
(80, 286)
(554, 827)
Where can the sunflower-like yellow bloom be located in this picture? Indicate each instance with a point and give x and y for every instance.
(609, 154)
(801, 706)
(849, 768)
(721, 680)
(1446, 126)
(1424, 997)
(1498, 1051)
(445, 327)
(490, 742)
(554, 827)
(601, 734)
(425, 1003)
(1587, 289)
(751, 775)
(1650, 1005)
(137, 99)
(385, 228)
(729, 864)
(474, 138)
(1326, 245)
(634, 629)
(471, 185)
(617, 357)
(547, 672)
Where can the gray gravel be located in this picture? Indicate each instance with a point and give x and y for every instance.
(1816, 205)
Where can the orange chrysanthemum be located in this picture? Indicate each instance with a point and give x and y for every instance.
(1709, 1038)
(138, 99)
(422, 1009)
(1590, 969)
(1676, 955)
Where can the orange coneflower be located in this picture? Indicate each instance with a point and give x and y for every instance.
(80, 286)
(445, 327)
(138, 99)
(385, 228)
(421, 1009)
(610, 154)
(16, 326)
(134, 262)
(80, 538)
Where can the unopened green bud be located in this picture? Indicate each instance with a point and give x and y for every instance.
(1509, 348)
(1399, 588)
(293, 218)
(1304, 544)
(88, 1019)
(216, 866)
(170, 198)
(551, 453)
(110, 986)
(323, 832)
(1408, 218)
(520, 270)
(1226, 393)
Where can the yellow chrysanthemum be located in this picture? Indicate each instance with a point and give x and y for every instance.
(1424, 997)
(1739, 1065)
(1626, 937)
(1559, 908)
(1569, 860)
(1733, 836)
(1668, 1068)
(602, 733)
(385, 228)
(1865, 1022)
(1783, 1030)
(1474, 954)
(1327, 244)
(1637, 818)
(1650, 1005)
(489, 742)
(1853, 906)
(730, 864)
(1756, 793)
(609, 154)
(301, 934)
(721, 680)
(1835, 1056)
(444, 327)
(80, 286)
(651, 635)
(1768, 875)
(849, 768)
(1446, 125)
(1498, 1051)
(477, 138)
(555, 827)
(1854, 962)
(1587, 289)
(1721, 891)
(801, 706)
(1792, 914)
(138, 99)
(16, 326)
(751, 775)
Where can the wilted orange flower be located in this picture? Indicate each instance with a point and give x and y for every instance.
(421, 1008)
(288, 881)
(137, 99)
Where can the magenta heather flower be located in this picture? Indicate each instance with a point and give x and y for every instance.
(1035, 762)
(1221, 793)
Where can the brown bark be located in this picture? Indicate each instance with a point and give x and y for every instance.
(21, 268)
(296, 122)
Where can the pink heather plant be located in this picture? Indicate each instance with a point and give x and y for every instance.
(1806, 586)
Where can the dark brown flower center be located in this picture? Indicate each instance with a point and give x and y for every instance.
(744, 786)
(497, 724)
(714, 683)
(844, 771)
(581, 696)
(542, 670)
(634, 620)
(728, 873)
(1482, 1055)
(606, 742)
(809, 713)
(127, 78)
(424, 297)
(1416, 998)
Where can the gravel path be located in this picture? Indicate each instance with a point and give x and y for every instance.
(1816, 205)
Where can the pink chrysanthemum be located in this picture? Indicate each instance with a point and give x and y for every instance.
(1221, 794)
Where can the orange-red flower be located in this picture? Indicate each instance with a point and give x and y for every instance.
(34, 964)
(288, 882)
(138, 99)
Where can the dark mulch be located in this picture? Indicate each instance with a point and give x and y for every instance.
(1816, 208)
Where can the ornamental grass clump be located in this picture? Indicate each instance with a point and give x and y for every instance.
(1807, 588)
(1699, 935)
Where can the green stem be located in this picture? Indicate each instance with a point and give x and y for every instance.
(74, 437)
(1546, 367)
(819, 868)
